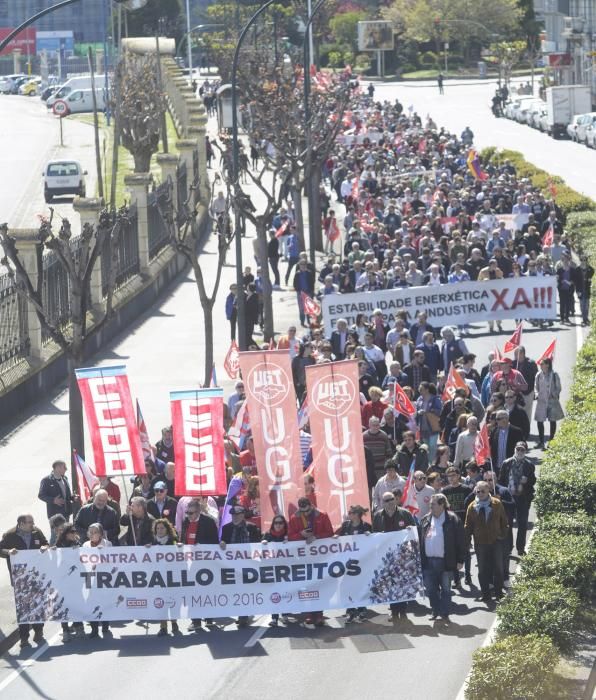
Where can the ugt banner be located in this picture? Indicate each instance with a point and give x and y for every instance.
(197, 430)
(464, 302)
(112, 422)
(274, 423)
(193, 581)
(336, 429)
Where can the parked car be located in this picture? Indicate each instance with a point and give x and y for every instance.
(572, 127)
(534, 113)
(523, 114)
(591, 136)
(80, 101)
(30, 87)
(544, 124)
(584, 122)
(9, 84)
(513, 108)
(63, 177)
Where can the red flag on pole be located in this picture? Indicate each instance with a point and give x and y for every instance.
(401, 402)
(408, 499)
(232, 361)
(282, 229)
(86, 478)
(549, 236)
(482, 446)
(310, 306)
(515, 340)
(548, 354)
(143, 434)
(454, 381)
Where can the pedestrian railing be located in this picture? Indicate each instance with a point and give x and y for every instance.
(158, 231)
(14, 339)
(55, 294)
(125, 257)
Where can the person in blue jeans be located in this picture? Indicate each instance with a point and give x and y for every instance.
(442, 550)
(293, 248)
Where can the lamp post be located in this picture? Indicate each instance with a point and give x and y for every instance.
(307, 53)
(236, 175)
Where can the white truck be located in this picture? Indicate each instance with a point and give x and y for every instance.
(563, 102)
(79, 82)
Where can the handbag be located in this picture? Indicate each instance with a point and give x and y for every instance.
(433, 421)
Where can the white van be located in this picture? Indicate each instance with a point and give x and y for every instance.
(82, 82)
(80, 101)
(63, 177)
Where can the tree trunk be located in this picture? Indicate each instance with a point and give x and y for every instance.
(297, 200)
(268, 328)
(142, 161)
(315, 224)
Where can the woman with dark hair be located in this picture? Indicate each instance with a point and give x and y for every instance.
(164, 534)
(361, 327)
(97, 538)
(547, 387)
(355, 525)
(69, 537)
(303, 359)
(277, 533)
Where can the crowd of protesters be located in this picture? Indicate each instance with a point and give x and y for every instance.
(415, 214)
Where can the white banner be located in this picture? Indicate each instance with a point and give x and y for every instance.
(451, 304)
(124, 583)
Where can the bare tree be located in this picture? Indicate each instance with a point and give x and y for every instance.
(141, 107)
(77, 257)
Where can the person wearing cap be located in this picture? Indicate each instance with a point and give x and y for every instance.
(309, 524)
(393, 518)
(518, 474)
(355, 525)
(162, 505)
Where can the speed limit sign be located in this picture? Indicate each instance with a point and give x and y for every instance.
(60, 108)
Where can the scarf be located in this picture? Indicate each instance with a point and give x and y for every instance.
(483, 505)
(162, 540)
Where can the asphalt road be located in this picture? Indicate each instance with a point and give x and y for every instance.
(414, 660)
(29, 138)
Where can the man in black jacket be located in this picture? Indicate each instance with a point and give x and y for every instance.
(503, 440)
(518, 475)
(162, 505)
(55, 491)
(98, 512)
(138, 522)
(442, 549)
(24, 536)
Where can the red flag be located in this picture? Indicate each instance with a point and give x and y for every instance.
(197, 417)
(143, 434)
(482, 446)
(454, 381)
(282, 229)
(408, 499)
(271, 399)
(112, 422)
(549, 236)
(241, 425)
(401, 402)
(311, 307)
(232, 361)
(498, 355)
(549, 353)
(86, 479)
(515, 340)
(355, 188)
(336, 429)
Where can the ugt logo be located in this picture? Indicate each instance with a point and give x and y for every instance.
(268, 383)
(334, 395)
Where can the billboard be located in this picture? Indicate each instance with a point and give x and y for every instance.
(55, 41)
(24, 40)
(375, 36)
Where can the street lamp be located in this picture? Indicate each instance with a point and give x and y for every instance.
(236, 175)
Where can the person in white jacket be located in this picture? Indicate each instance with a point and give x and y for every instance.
(391, 480)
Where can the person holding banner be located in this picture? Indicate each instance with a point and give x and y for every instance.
(98, 512)
(277, 533)
(393, 518)
(355, 525)
(164, 535)
(24, 536)
(139, 523)
(309, 524)
(69, 537)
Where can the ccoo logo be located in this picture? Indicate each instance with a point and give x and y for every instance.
(268, 383)
(334, 395)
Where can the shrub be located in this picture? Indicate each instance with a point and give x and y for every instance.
(567, 559)
(429, 59)
(335, 59)
(578, 523)
(540, 606)
(516, 667)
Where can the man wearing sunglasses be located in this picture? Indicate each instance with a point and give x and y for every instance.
(487, 523)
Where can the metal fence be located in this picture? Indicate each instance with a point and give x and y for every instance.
(182, 178)
(55, 293)
(158, 231)
(14, 339)
(125, 257)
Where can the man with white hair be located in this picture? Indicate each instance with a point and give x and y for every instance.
(464, 447)
(451, 348)
(98, 511)
(339, 339)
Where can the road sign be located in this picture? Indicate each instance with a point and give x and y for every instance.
(60, 108)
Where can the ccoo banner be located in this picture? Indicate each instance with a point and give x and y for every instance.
(274, 423)
(460, 303)
(167, 582)
(112, 421)
(197, 419)
(336, 429)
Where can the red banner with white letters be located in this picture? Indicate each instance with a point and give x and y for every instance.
(337, 447)
(272, 406)
(197, 431)
(112, 421)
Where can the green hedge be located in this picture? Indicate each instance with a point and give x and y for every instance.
(578, 523)
(515, 667)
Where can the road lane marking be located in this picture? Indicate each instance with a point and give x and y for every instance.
(29, 662)
(259, 631)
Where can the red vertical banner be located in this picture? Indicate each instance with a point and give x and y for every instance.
(197, 431)
(274, 423)
(337, 446)
(112, 421)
